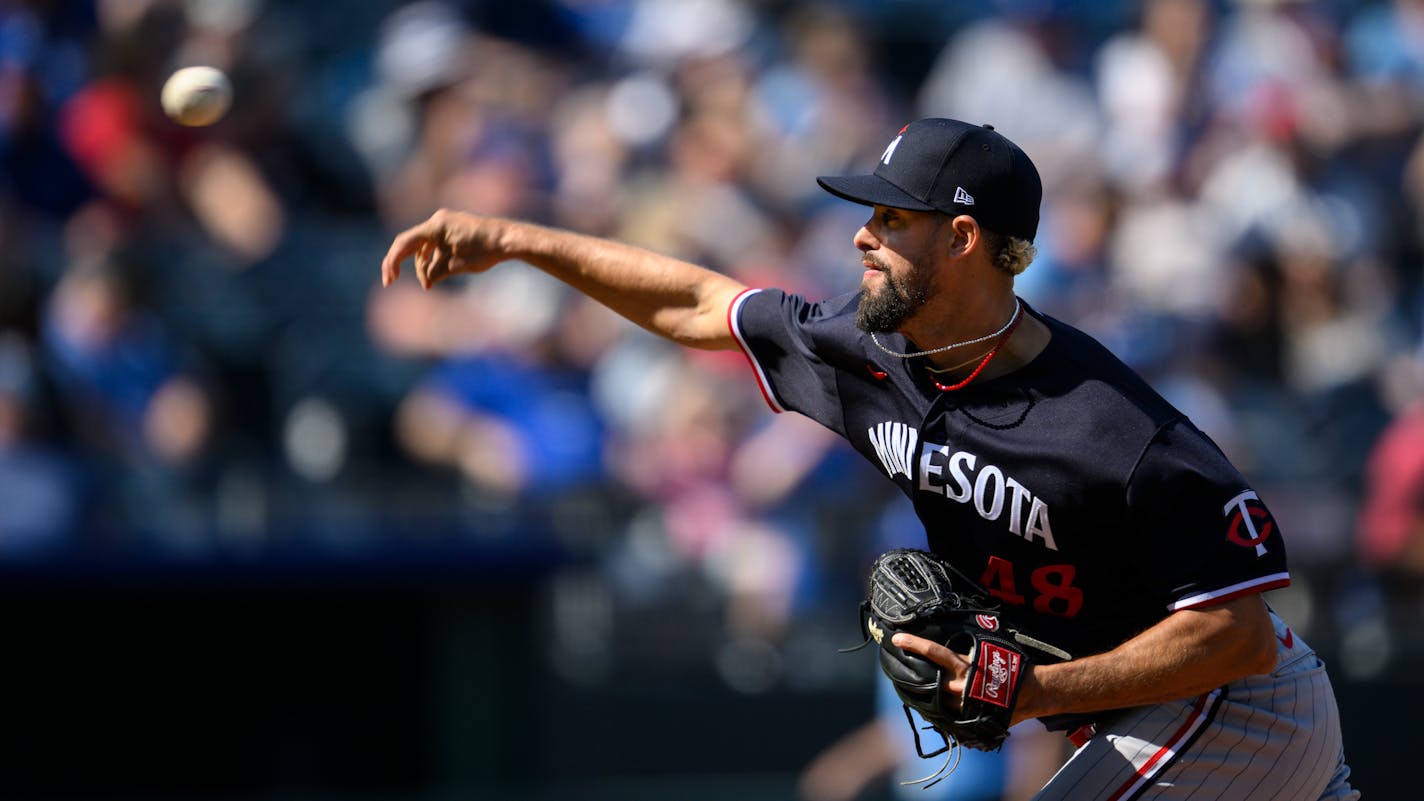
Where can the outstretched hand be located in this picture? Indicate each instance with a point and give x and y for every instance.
(446, 244)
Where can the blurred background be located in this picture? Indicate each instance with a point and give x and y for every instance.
(268, 532)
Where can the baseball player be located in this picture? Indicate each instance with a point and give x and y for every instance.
(1099, 517)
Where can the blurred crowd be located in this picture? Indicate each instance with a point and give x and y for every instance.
(196, 361)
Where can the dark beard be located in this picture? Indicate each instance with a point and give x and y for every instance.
(885, 311)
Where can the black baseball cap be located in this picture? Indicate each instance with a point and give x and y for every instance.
(954, 167)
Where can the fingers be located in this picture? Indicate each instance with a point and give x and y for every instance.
(432, 263)
(408, 243)
(402, 247)
(442, 246)
(929, 649)
(956, 665)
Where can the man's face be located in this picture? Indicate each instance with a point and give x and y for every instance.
(896, 248)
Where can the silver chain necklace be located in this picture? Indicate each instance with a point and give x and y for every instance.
(985, 338)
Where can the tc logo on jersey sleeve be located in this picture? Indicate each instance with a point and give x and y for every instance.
(1248, 522)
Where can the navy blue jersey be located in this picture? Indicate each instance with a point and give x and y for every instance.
(1073, 492)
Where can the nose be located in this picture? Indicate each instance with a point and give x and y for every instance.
(865, 241)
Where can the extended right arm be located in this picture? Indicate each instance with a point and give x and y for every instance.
(672, 298)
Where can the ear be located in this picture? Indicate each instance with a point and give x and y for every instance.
(964, 235)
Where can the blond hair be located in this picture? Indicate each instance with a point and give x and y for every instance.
(1010, 253)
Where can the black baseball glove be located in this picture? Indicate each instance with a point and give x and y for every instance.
(919, 593)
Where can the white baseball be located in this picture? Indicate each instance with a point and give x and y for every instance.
(197, 96)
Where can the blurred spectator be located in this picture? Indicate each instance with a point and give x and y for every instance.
(999, 71)
(41, 488)
(688, 207)
(513, 416)
(818, 108)
(129, 399)
(1389, 531)
(1384, 45)
(1145, 79)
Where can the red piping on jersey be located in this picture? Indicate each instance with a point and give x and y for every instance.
(1149, 769)
(1253, 589)
(762, 383)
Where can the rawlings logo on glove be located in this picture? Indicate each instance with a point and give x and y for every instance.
(1002, 667)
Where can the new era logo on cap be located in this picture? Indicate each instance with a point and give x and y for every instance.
(952, 167)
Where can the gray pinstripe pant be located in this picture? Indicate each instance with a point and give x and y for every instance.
(1273, 737)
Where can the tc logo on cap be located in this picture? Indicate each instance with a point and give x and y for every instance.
(890, 149)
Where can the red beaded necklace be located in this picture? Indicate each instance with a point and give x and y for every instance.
(988, 357)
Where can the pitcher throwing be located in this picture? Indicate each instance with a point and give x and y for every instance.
(1041, 466)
